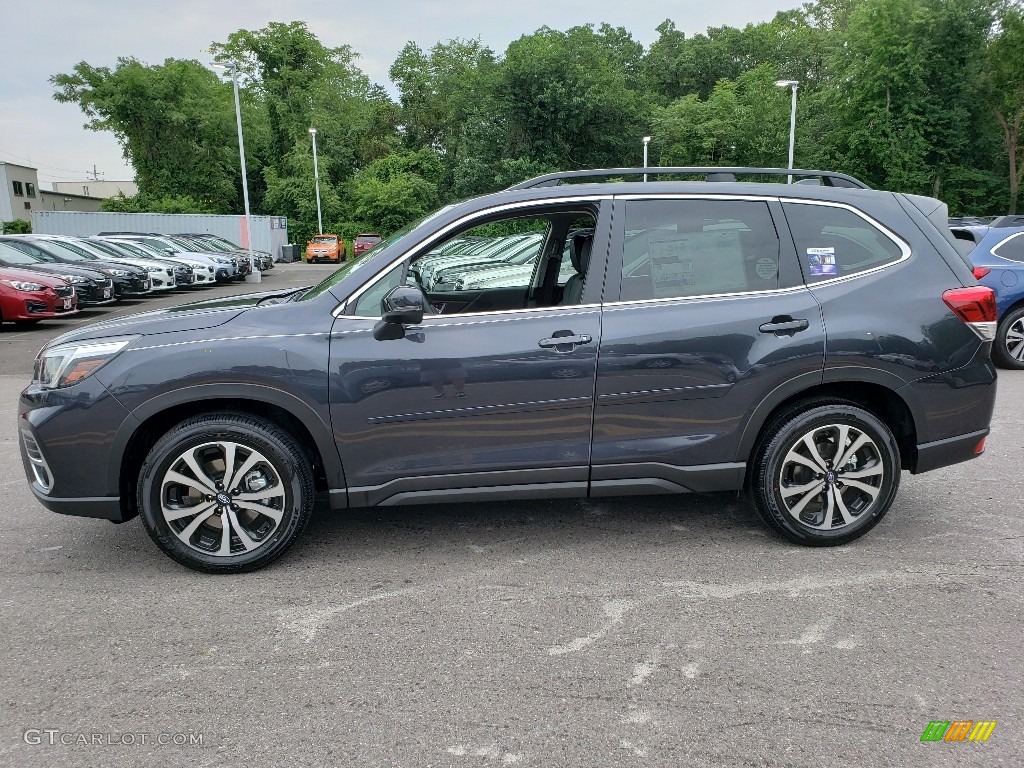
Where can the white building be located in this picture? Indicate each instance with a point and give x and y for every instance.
(19, 192)
(97, 188)
(20, 195)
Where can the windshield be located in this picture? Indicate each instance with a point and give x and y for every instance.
(64, 252)
(347, 269)
(225, 244)
(325, 239)
(156, 244)
(107, 248)
(138, 250)
(200, 243)
(10, 255)
(184, 245)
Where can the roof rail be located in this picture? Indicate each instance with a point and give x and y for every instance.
(826, 178)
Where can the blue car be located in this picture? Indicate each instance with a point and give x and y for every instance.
(998, 261)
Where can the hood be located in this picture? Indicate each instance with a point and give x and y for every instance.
(187, 317)
(32, 276)
(64, 269)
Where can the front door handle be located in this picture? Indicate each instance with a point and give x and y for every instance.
(784, 324)
(565, 343)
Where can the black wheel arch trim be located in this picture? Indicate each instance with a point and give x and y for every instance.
(808, 383)
(243, 393)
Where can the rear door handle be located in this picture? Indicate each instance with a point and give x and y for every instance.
(785, 324)
(568, 342)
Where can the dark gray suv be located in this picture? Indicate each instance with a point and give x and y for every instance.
(805, 342)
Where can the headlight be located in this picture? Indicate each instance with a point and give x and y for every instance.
(115, 272)
(66, 364)
(21, 285)
(74, 279)
(154, 269)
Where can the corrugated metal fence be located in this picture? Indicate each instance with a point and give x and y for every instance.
(269, 233)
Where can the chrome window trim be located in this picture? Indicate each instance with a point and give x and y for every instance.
(561, 310)
(697, 196)
(1003, 242)
(340, 309)
(614, 305)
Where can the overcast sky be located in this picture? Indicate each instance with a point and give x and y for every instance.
(41, 38)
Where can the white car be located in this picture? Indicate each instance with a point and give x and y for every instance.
(161, 275)
(203, 270)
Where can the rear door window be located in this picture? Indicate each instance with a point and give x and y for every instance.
(835, 242)
(687, 247)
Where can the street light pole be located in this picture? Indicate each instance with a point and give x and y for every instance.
(793, 84)
(647, 140)
(254, 275)
(316, 177)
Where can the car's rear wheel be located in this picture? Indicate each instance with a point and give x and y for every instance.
(825, 472)
(1008, 349)
(225, 493)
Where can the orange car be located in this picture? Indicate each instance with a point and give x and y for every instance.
(324, 248)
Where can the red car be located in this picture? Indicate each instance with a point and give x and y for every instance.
(364, 242)
(27, 296)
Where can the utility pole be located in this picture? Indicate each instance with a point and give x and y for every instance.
(95, 173)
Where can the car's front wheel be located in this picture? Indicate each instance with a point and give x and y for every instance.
(225, 493)
(1008, 349)
(825, 472)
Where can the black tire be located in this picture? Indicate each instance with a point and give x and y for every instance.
(278, 460)
(1006, 334)
(843, 510)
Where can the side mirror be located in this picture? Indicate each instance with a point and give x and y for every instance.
(402, 306)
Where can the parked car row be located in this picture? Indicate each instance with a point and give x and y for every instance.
(46, 276)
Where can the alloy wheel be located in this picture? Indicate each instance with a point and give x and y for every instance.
(1015, 340)
(222, 498)
(831, 477)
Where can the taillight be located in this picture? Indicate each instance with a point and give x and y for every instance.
(976, 306)
(980, 272)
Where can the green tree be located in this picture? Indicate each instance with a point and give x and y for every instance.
(144, 203)
(443, 97)
(394, 190)
(564, 99)
(1004, 81)
(175, 123)
(742, 122)
(16, 227)
(911, 70)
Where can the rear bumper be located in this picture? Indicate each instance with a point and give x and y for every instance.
(952, 450)
(102, 507)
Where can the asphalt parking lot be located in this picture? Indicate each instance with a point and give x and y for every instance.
(616, 632)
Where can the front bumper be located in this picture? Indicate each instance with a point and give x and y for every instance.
(66, 438)
(95, 294)
(39, 305)
(132, 286)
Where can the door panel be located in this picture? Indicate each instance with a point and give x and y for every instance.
(677, 380)
(463, 395)
(716, 326)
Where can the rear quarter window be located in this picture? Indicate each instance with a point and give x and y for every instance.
(1012, 248)
(835, 242)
